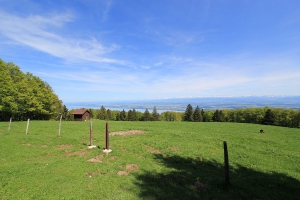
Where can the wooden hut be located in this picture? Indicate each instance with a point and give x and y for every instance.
(81, 115)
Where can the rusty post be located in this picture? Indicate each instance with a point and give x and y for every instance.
(91, 134)
(226, 164)
(107, 137)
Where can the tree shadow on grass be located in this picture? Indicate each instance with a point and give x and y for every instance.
(188, 178)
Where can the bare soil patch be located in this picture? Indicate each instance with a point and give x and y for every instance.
(123, 173)
(77, 153)
(97, 159)
(129, 168)
(63, 146)
(152, 150)
(97, 172)
(130, 132)
(174, 148)
(132, 167)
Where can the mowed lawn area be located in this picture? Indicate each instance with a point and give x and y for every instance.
(170, 160)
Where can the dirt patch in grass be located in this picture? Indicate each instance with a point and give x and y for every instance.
(174, 148)
(132, 167)
(76, 153)
(130, 132)
(97, 172)
(129, 168)
(44, 146)
(123, 173)
(97, 159)
(152, 150)
(63, 146)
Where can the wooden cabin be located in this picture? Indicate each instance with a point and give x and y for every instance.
(81, 115)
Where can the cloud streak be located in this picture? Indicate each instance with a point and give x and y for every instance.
(38, 32)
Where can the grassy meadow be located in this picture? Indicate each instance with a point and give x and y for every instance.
(172, 160)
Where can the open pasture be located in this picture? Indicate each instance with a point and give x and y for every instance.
(172, 160)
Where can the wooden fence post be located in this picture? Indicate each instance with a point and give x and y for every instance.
(226, 164)
(27, 126)
(59, 125)
(9, 123)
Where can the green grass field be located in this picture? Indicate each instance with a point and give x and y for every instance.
(164, 163)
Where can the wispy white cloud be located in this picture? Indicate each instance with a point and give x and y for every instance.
(42, 33)
(107, 9)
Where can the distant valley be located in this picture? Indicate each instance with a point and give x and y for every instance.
(206, 103)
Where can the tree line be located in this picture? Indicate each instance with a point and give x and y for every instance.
(115, 115)
(267, 115)
(23, 95)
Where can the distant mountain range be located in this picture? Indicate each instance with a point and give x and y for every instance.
(206, 103)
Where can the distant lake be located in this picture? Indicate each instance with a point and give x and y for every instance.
(206, 103)
(142, 110)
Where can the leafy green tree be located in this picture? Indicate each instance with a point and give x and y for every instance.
(134, 115)
(70, 116)
(109, 114)
(188, 115)
(221, 116)
(197, 116)
(123, 115)
(146, 115)
(269, 117)
(26, 96)
(65, 112)
(216, 117)
(8, 105)
(155, 114)
(203, 115)
(102, 113)
(131, 116)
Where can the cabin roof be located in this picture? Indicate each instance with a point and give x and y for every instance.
(80, 111)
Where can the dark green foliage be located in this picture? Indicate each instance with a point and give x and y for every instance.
(132, 115)
(215, 117)
(269, 118)
(171, 116)
(203, 116)
(23, 95)
(281, 117)
(218, 116)
(109, 114)
(102, 114)
(65, 112)
(188, 115)
(154, 114)
(221, 116)
(146, 116)
(197, 116)
(93, 113)
(123, 115)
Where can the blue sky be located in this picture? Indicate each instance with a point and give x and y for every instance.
(94, 50)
